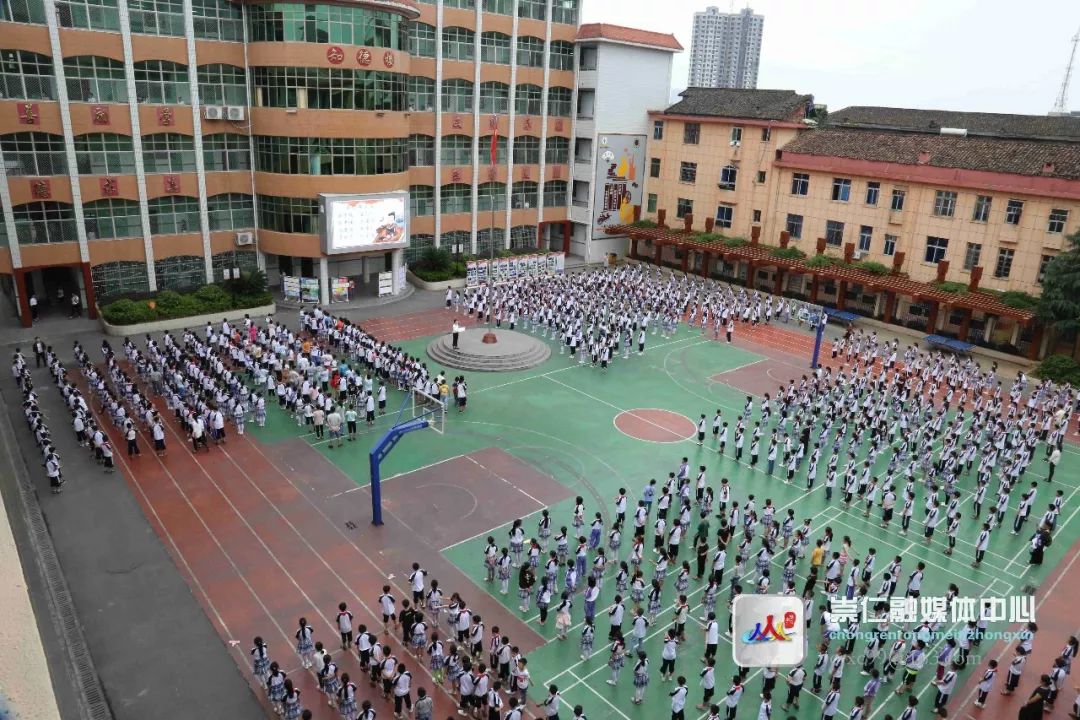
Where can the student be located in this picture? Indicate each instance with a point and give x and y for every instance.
(678, 698)
(831, 703)
(551, 703)
(344, 624)
(1016, 669)
(731, 698)
(945, 686)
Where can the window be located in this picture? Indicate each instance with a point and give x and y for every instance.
(935, 249)
(971, 255)
(528, 100)
(1004, 262)
(34, 153)
(532, 9)
(104, 154)
(88, 14)
(562, 55)
(245, 260)
(330, 156)
(654, 167)
(162, 82)
(555, 193)
(944, 203)
(456, 241)
(564, 11)
(421, 150)
(834, 232)
(683, 207)
(495, 48)
(26, 75)
(494, 98)
(168, 152)
(456, 198)
(456, 150)
(422, 41)
(222, 85)
(500, 149)
(457, 96)
(523, 195)
(559, 101)
(800, 184)
(898, 196)
(526, 150)
(688, 172)
(120, 277)
(981, 211)
(421, 93)
(491, 196)
(418, 245)
(173, 215)
(530, 51)
(489, 240)
(502, 7)
(461, 4)
(658, 130)
(421, 200)
(112, 218)
(558, 150)
(91, 78)
(1013, 211)
(725, 215)
(231, 211)
(1058, 220)
(890, 245)
(523, 236)
(327, 24)
(335, 89)
(288, 215)
(760, 177)
(157, 17)
(866, 237)
(1044, 261)
(226, 151)
(691, 133)
(736, 136)
(44, 222)
(30, 11)
(729, 174)
(756, 216)
(180, 272)
(794, 226)
(217, 20)
(841, 189)
(872, 190)
(458, 43)
(651, 205)
(766, 134)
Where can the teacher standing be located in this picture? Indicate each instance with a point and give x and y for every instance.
(457, 331)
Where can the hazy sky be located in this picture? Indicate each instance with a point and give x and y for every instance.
(984, 55)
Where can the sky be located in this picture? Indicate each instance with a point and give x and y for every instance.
(977, 55)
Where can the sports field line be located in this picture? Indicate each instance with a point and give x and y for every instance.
(1061, 526)
(603, 699)
(400, 474)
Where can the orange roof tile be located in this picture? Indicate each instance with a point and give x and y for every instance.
(621, 34)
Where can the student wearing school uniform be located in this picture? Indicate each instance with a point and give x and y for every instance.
(945, 686)
(831, 704)
(731, 698)
(551, 703)
(1016, 669)
(678, 699)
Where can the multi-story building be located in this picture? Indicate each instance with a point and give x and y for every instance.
(725, 49)
(149, 144)
(611, 129)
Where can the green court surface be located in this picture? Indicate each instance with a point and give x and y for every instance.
(559, 418)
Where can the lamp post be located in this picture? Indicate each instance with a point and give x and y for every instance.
(489, 337)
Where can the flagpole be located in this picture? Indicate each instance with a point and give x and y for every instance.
(489, 336)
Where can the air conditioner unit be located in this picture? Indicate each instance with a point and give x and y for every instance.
(213, 112)
(857, 255)
(736, 143)
(235, 112)
(245, 238)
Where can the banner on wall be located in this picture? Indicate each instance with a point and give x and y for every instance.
(309, 289)
(534, 261)
(481, 272)
(339, 289)
(560, 262)
(470, 273)
(386, 284)
(515, 267)
(290, 286)
(550, 264)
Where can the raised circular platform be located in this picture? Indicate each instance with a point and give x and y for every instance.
(513, 351)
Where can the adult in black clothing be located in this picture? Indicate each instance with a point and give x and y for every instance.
(1033, 708)
(1039, 541)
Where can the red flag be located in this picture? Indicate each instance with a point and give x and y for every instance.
(494, 139)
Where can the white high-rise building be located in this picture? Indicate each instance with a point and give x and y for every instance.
(725, 49)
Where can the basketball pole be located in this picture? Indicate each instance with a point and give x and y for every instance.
(822, 321)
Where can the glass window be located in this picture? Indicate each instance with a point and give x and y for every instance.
(456, 241)
(34, 153)
(981, 212)
(422, 41)
(168, 152)
(794, 226)
(691, 133)
(217, 20)
(532, 9)
(559, 101)
(23, 11)
(760, 177)
(523, 195)
(651, 206)
(231, 211)
(872, 191)
(421, 149)
(1044, 261)
(1057, 221)
(488, 240)
(26, 75)
(330, 156)
(461, 4)
(526, 150)
(418, 243)
(841, 189)
(494, 98)
(157, 17)
(562, 55)
(457, 96)
(890, 245)
(421, 200)
(834, 232)
(222, 85)
(288, 215)
(1013, 211)
(502, 7)
(1004, 262)
(522, 236)
(337, 24)
(180, 272)
(800, 184)
(119, 278)
(972, 254)
(105, 154)
(456, 198)
(866, 237)
(226, 151)
(729, 175)
(766, 134)
(898, 195)
(683, 207)
(173, 215)
(91, 78)
(528, 100)
(558, 150)
(162, 82)
(725, 216)
(555, 193)
(421, 94)
(88, 14)
(936, 248)
(688, 172)
(736, 135)
(458, 43)
(944, 203)
(658, 130)
(500, 150)
(564, 11)
(530, 51)
(44, 222)
(112, 218)
(491, 196)
(246, 260)
(332, 88)
(495, 48)
(654, 167)
(456, 150)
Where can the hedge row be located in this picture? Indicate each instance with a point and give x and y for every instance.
(168, 305)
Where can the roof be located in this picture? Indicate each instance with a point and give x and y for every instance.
(1019, 157)
(1044, 127)
(736, 103)
(629, 36)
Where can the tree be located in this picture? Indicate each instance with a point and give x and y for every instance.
(1059, 306)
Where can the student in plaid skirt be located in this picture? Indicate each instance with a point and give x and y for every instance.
(617, 660)
(260, 658)
(436, 658)
(622, 578)
(291, 702)
(330, 681)
(637, 589)
(588, 634)
(347, 698)
(682, 580)
(275, 687)
(641, 677)
(654, 600)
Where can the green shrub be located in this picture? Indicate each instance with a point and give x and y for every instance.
(1060, 369)
(734, 242)
(168, 304)
(822, 261)
(212, 299)
(874, 268)
(1019, 300)
(953, 288)
(788, 253)
(253, 300)
(643, 224)
(128, 312)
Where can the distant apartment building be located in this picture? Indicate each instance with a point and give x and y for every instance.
(725, 49)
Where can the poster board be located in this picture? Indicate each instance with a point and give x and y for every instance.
(619, 180)
(357, 223)
(290, 287)
(471, 274)
(309, 289)
(339, 289)
(386, 284)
